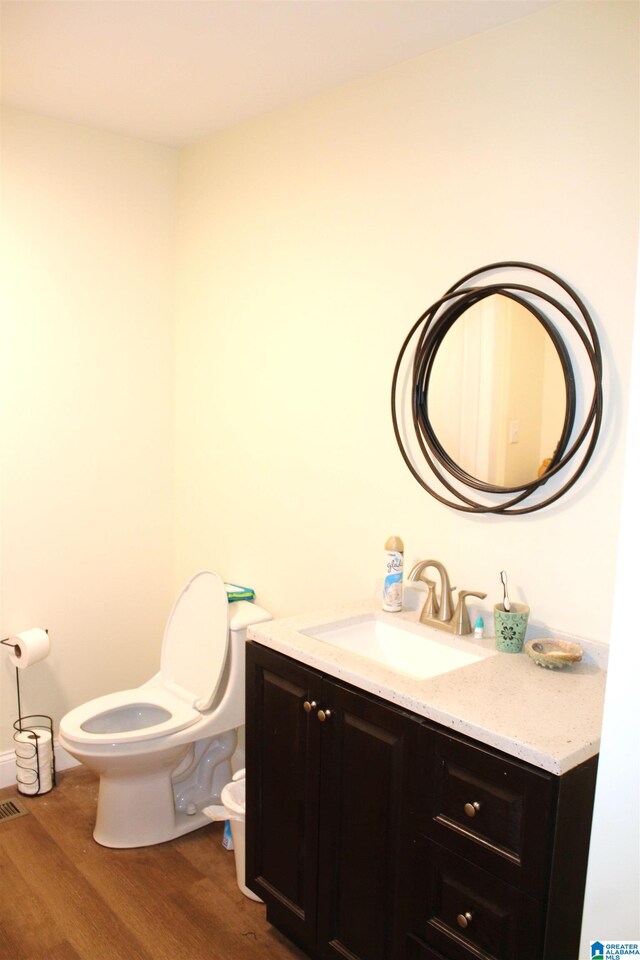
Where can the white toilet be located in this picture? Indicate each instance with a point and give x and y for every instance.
(163, 750)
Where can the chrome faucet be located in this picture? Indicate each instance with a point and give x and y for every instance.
(439, 613)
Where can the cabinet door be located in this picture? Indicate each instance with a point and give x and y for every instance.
(363, 789)
(282, 790)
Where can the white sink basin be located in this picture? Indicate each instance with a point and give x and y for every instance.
(397, 646)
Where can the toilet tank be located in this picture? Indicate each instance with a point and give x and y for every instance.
(242, 614)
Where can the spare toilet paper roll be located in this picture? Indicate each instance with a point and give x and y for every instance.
(30, 646)
(28, 739)
(27, 742)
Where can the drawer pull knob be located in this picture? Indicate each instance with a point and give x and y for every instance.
(471, 808)
(324, 715)
(464, 919)
(309, 705)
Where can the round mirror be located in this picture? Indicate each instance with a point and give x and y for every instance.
(487, 381)
(497, 394)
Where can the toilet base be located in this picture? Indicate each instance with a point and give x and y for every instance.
(140, 803)
(159, 828)
(136, 808)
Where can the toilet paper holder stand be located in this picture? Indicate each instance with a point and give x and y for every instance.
(30, 724)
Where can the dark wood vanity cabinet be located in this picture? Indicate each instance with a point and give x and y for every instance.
(374, 834)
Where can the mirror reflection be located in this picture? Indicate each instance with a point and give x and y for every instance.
(497, 396)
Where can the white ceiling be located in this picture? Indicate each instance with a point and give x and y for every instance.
(175, 71)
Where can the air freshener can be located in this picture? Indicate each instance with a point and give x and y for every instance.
(392, 585)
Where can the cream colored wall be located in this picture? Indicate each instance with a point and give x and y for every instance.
(89, 253)
(612, 909)
(311, 240)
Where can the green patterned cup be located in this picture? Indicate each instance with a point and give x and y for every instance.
(511, 627)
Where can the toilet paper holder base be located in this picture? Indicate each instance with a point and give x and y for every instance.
(35, 766)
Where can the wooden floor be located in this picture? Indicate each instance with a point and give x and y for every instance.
(64, 897)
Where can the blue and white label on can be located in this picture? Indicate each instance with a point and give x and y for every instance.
(392, 586)
(227, 836)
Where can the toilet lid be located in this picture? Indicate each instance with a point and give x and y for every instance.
(196, 638)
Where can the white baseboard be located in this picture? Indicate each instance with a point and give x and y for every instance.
(64, 760)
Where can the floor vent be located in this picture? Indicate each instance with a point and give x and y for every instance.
(10, 809)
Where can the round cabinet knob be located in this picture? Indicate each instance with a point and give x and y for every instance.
(309, 705)
(324, 715)
(471, 809)
(464, 919)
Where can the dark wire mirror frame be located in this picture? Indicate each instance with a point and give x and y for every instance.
(431, 329)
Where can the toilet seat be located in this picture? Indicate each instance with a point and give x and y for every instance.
(181, 715)
(194, 652)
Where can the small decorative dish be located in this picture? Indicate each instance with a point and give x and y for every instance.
(547, 652)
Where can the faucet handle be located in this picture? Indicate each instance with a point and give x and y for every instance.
(461, 622)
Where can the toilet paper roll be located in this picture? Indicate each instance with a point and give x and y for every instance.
(29, 785)
(30, 646)
(28, 765)
(28, 740)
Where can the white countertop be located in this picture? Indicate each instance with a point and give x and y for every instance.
(549, 718)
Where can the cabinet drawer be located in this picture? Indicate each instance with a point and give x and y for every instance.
(417, 950)
(466, 913)
(488, 808)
